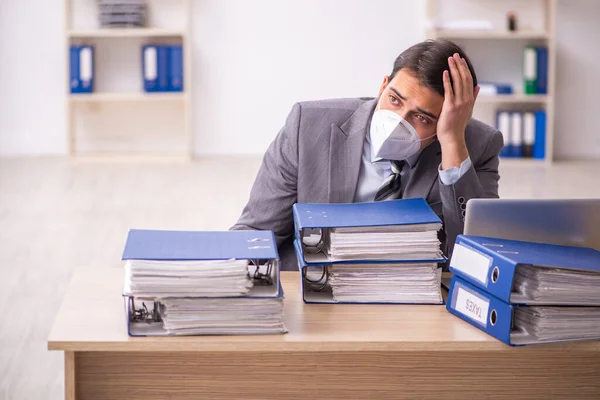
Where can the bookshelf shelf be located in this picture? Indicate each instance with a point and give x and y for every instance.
(540, 20)
(493, 34)
(124, 33)
(125, 97)
(522, 162)
(515, 99)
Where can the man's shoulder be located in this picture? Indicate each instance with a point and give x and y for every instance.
(336, 106)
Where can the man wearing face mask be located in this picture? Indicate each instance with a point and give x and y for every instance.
(416, 139)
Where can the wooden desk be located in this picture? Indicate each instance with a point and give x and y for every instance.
(332, 351)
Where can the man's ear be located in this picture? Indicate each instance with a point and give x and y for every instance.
(386, 81)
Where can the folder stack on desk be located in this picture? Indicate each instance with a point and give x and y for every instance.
(197, 283)
(526, 293)
(380, 252)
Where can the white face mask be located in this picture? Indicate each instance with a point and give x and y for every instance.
(393, 137)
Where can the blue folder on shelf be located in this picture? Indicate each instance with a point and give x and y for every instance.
(495, 265)
(155, 68)
(176, 68)
(150, 68)
(311, 218)
(81, 69)
(514, 324)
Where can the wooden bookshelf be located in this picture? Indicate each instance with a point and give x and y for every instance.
(133, 37)
(546, 35)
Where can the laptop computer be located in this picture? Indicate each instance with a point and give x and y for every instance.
(569, 222)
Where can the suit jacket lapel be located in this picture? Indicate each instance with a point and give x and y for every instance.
(425, 173)
(345, 153)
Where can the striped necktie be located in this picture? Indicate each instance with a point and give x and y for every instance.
(390, 188)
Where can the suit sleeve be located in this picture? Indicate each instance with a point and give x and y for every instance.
(274, 191)
(479, 181)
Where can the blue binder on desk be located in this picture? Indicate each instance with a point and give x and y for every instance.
(528, 273)
(81, 69)
(321, 218)
(257, 247)
(514, 324)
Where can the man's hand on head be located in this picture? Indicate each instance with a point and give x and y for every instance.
(457, 110)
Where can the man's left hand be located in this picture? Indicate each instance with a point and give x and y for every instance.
(457, 110)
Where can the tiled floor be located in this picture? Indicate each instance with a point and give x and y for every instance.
(56, 215)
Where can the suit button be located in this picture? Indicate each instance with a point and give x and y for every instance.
(463, 206)
(461, 200)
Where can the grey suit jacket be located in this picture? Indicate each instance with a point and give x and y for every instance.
(316, 158)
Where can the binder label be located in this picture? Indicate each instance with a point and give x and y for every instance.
(150, 64)
(472, 306)
(530, 68)
(85, 64)
(471, 262)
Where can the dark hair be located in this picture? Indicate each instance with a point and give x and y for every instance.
(428, 60)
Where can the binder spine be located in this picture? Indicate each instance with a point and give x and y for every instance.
(480, 309)
(176, 70)
(517, 134)
(74, 82)
(542, 70)
(492, 273)
(149, 68)
(86, 69)
(528, 134)
(539, 147)
(530, 70)
(163, 67)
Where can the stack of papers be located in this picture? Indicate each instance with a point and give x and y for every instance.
(202, 283)
(557, 285)
(386, 283)
(554, 324)
(396, 242)
(218, 278)
(215, 316)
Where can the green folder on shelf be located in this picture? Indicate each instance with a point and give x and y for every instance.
(530, 70)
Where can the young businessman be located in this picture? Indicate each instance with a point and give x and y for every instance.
(343, 151)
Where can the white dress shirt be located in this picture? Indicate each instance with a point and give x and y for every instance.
(373, 173)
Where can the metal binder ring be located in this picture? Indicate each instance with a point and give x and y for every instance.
(318, 284)
(314, 248)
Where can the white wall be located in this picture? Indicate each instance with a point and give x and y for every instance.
(32, 105)
(254, 59)
(578, 80)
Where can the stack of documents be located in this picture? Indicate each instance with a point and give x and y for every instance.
(526, 293)
(551, 285)
(384, 243)
(215, 316)
(146, 278)
(194, 283)
(380, 252)
(385, 283)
